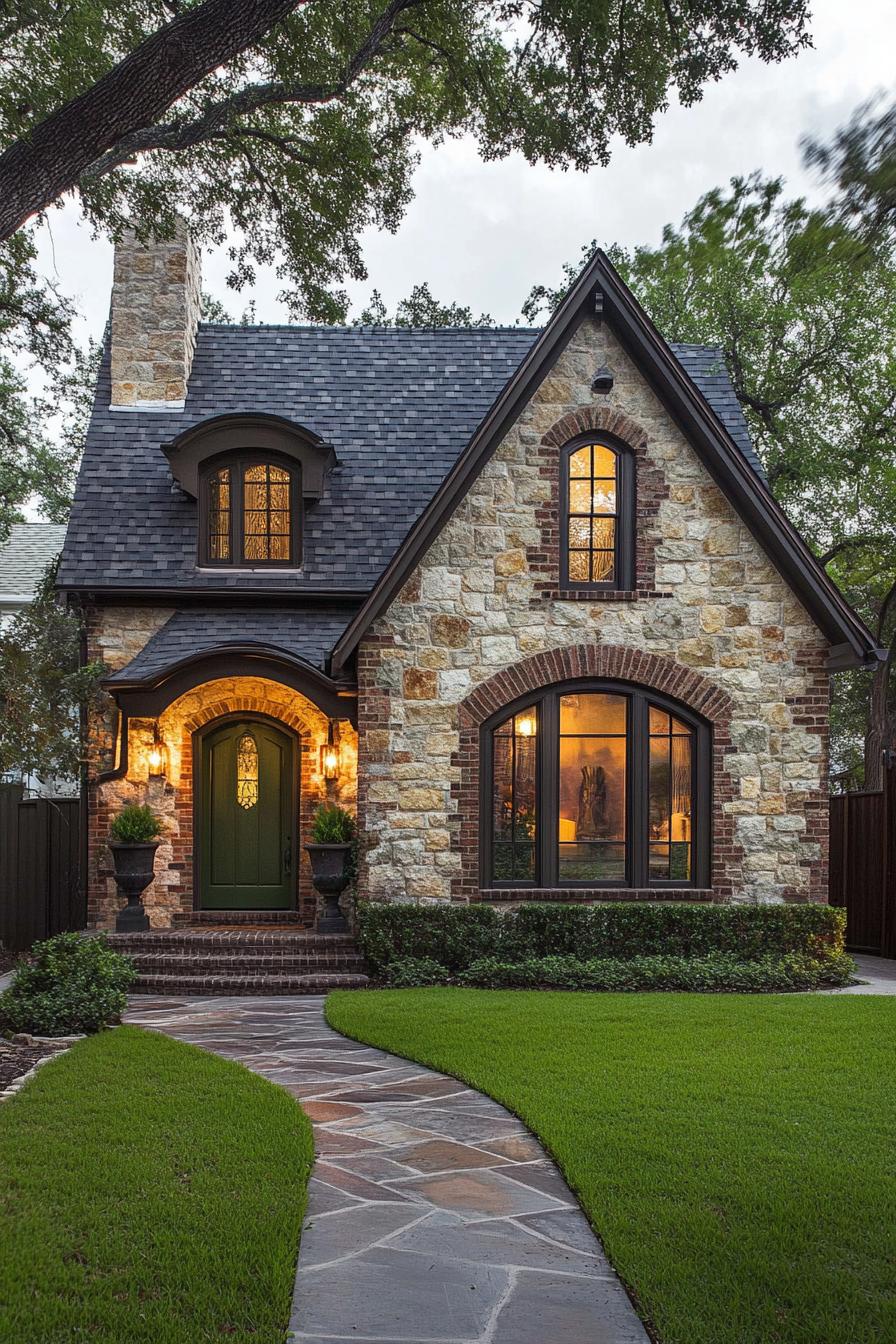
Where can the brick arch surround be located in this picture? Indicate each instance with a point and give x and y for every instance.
(172, 796)
(610, 661)
(650, 491)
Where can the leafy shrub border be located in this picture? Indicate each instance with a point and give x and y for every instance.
(614, 945)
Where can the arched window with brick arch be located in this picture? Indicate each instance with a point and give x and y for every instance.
(597, 509)
(595, 783)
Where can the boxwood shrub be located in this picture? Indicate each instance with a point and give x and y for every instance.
(70, 984)
(457, 936)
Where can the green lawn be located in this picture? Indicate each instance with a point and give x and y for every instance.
(149, 1194)
(735, 1153)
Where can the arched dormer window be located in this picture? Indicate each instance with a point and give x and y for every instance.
(597, 508)
(250, 512)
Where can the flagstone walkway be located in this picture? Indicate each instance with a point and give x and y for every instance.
(434, 1216)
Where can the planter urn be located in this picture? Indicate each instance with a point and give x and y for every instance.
(134, 870)
(330, 874)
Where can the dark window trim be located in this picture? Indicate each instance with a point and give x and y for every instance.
(546, 703)
(623, 577)
(238, 462)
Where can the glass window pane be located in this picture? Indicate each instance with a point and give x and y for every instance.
(579, 567)
(659, 720)
(601, 566)
(679, 727)
(592, 863)
(254, 497)
(514, 798)
(278, 475)
(670, 802)
(279, 547)
(579, 533)
(604, 461)
(258, 473)
(659, 863)
(580, 462)
(604, 497)
(592, 712)
(580, 496)
(592, 789)
(279, 496)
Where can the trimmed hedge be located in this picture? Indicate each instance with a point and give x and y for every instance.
(710, 973)
(456, 936)
(71, 984)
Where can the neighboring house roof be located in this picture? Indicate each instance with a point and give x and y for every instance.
(25, 556)
(398, 405)
(600, 289)
(307, 634)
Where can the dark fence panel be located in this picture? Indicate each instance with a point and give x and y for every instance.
(862, 871)
(40, 888)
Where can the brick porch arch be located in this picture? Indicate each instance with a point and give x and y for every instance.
(650, 491)
(613, 662)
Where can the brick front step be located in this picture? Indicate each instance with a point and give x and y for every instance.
(197, 918)
(248, 941)
(216, 963)
(188, 986)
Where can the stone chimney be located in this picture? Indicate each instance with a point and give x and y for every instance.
(155, 311)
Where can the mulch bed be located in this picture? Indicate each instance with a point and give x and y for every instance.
(17, 1058)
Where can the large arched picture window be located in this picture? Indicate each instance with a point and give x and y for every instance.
(595, 784)
(250, 513)
(597, 490)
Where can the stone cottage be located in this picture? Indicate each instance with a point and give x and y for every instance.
(522, 598)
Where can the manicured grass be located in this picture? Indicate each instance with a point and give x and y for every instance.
(150, 1193)
(734, 1153)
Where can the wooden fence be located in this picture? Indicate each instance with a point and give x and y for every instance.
(863, 866)
(40, 887)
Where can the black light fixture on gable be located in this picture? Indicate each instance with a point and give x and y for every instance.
(602, 380)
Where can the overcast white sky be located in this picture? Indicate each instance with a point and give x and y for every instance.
(483, 234)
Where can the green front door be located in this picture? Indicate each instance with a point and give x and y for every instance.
(248, 806)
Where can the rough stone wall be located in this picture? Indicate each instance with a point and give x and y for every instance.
(708, 608)
(117, 634)
(156, 303)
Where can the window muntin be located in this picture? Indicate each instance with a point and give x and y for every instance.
(514, 800)
(607, 786)
(251, 514)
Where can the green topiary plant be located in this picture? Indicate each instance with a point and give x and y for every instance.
(71, 984)
(332, 825)
(135, 825)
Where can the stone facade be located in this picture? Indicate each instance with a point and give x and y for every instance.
(115, 635)
(156, 303)
(483, 618)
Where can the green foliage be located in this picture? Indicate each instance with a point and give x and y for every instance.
(457, 937)
(420, 309)
(332, 825)
(135, 824)
(41, 432)
(155, 1193)
(70, 984)
(452, 935)
(710, 973)
(266, 140)
(43, 690)
(860, 162)
(412, 971)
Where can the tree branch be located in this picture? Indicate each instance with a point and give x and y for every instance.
(852, 543)
(42, 165)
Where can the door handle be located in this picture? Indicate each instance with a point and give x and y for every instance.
(287, 857)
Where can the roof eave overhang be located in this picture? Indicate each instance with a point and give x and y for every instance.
(148, 696)
(599, 291)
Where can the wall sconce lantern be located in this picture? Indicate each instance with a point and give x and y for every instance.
(329, 756)
(527, 723)
(157, 755)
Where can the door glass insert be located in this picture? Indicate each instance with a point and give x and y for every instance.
(247, 771)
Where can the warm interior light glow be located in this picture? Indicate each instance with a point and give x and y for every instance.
(155, 760)
(331, 762)
(526, 724)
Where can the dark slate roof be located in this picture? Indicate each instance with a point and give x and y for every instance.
(398, 405)
(308, 633)
(24, 558)
(706, 366)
